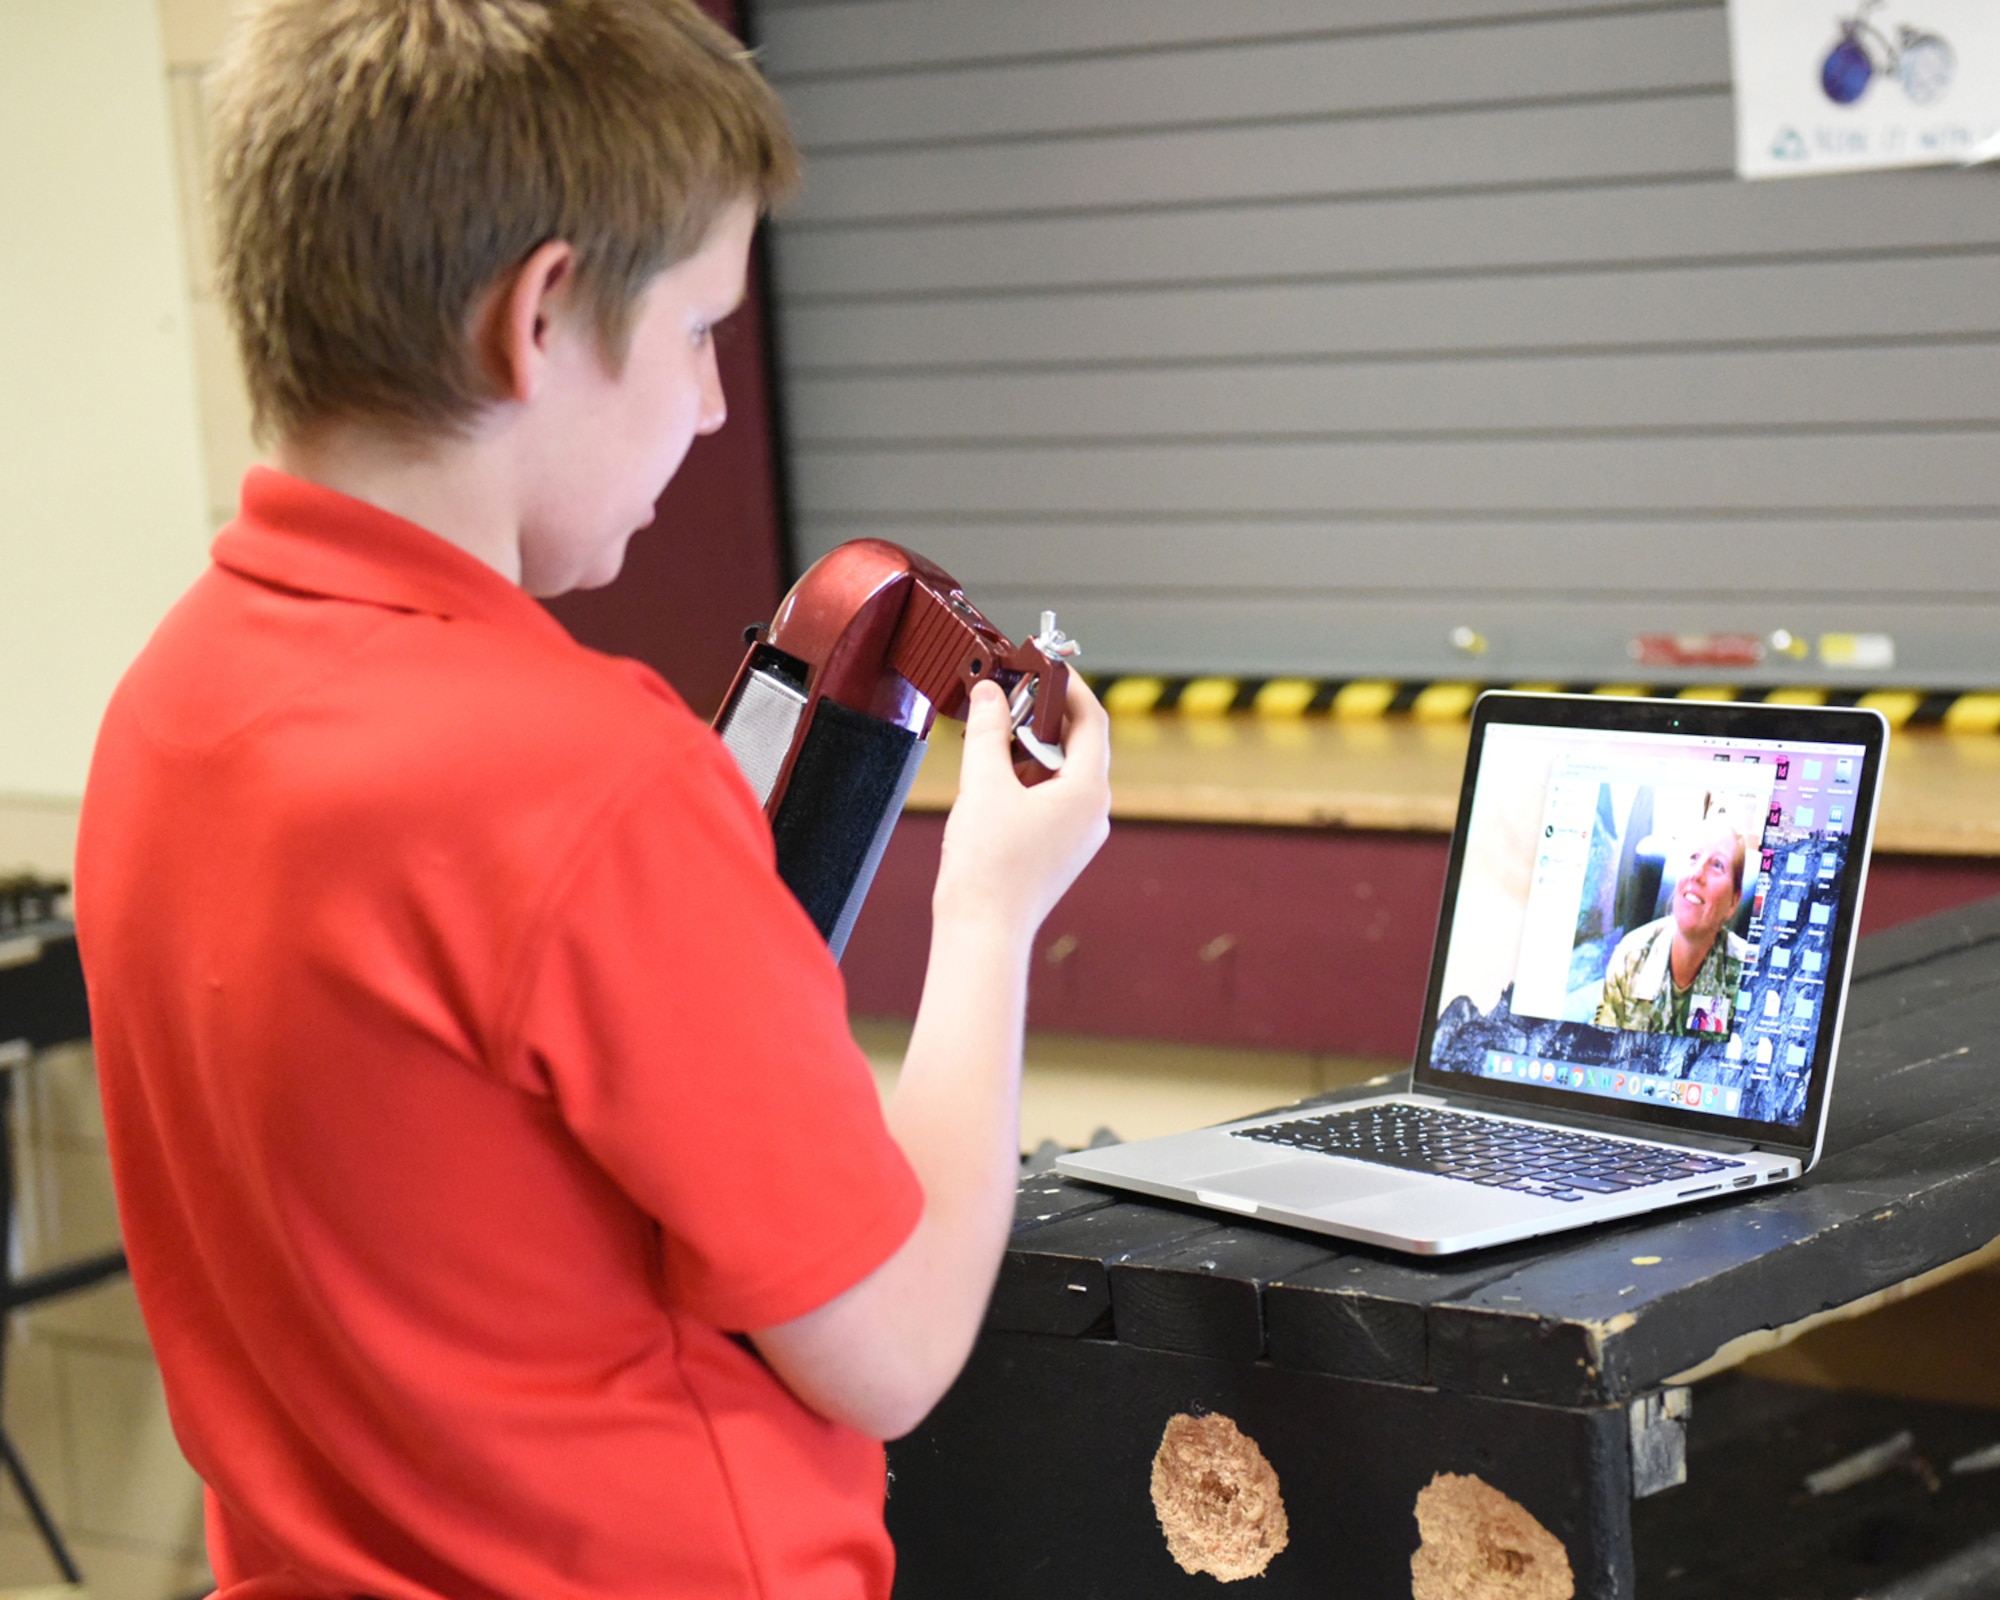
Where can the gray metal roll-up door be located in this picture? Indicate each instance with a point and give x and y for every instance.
(1284, 336)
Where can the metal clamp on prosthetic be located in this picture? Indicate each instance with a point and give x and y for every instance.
(831, 710)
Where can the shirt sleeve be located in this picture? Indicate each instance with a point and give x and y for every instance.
(1615, 1005)
(691, 1026)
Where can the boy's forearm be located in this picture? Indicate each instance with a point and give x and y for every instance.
(881, 1355)
(956, 1106)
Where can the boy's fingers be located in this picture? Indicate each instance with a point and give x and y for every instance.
(1086, 728)
(989, 732)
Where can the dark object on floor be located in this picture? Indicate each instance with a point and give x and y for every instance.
(1746, 1524)
(1972, 1574)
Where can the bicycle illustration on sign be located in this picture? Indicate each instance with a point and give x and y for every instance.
(1922, 62)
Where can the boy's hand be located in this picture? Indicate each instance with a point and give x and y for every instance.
(1010, 850)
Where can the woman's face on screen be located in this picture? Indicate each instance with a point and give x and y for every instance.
(1705, 894)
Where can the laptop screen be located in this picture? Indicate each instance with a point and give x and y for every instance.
(1652, 904)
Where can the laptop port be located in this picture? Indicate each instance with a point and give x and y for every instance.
(1745, 1181)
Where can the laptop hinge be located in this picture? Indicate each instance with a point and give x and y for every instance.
(1585, 1122)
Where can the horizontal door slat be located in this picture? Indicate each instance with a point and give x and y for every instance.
(1943, 472)
(1452, 149)
(1528, 640)
(1259, 80)
(1707, 305)
(1948, 559)
(803, 38)
(1952, 384)
(1677, 221)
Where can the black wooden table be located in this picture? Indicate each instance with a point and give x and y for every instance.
(1556, 1373)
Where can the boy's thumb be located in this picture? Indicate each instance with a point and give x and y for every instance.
(988, 729)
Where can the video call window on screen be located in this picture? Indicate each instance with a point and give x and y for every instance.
(1648, 916)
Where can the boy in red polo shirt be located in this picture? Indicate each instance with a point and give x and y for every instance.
(511, 1210)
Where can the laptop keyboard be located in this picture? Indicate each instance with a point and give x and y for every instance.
(1524, 1157)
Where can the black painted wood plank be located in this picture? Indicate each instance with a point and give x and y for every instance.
(1938, 979)
(1056, 1279)
(1031, 1479)
(1629, 1307)
(1914, 943)
(1366, 1313)
(1046, 1197)
(1914, 1068)
(1205, 1297)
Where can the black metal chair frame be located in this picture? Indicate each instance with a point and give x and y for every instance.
(41, 1004)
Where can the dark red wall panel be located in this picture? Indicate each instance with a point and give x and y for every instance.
(1904, 888)
(713, 560)
(1282, 938)
(1249, 936)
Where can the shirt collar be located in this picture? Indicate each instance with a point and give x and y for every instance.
(305, 537)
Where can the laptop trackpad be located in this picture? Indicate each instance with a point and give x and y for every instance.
(1306, 1183)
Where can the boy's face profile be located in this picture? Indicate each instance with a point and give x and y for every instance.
(607, 442)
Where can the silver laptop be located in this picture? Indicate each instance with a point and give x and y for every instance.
(1636, 994)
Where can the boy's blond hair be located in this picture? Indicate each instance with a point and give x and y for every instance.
(379, 164)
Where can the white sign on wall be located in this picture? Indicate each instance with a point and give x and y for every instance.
(1843, 85)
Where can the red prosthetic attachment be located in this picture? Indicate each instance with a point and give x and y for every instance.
(882, 631)
(830, 711)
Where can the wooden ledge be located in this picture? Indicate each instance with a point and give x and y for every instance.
(1941, 792)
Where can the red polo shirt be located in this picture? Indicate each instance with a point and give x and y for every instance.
(470, 1076)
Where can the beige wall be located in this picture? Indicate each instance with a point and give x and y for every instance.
(193, 35)
(128, 274)
(99, 453)
(114, 393)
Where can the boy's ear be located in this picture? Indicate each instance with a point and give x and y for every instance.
(519, 317)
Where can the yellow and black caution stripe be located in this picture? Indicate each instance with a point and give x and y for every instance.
(1445, 700)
